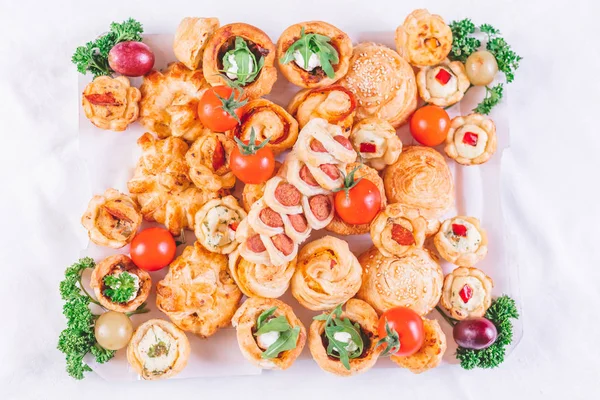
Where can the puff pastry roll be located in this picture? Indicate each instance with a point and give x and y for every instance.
(264, 220)
(420, 180)
(383, 83)
(376, 142)
(269, 334)
(321, 143)
(198, 294)
(245, 54)
(444, 84)
(423, 39)
(112, 219)
(282, 196)
(461, 241)
(111, 103)
(296, 227)
(208, 158)
(471, 140)
(395, 231)
(364, 320)
(319, 210)
(298, 174)
(252, 245)
(190, 39)
(413, 280)
(216, 223)
(327, 274)
(320, 68)
(467, 293)
(119, 272)
(158, 350)
(431, 352)
(252, 192)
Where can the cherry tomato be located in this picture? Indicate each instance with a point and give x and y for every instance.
(217, 107)
(359, 202)
(429, 125)
(407, 325)
(153, 249)
(252, 163)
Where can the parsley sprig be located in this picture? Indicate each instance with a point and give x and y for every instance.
(120, 288)
(247, 66)
(288, 336)
(463, 44)
(313, 43)
(493, 96)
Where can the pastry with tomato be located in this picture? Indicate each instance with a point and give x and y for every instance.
(430, 353)
(191, 37)
(216, 223)
(209, 159)
(461, 241)
(443, 84)
(467, 293)
(471, 140)
(198, 294)
(268, 332)
(383, 83)
(252, 192)
(396, 231)
(111, 103)
(327, 274)
(158, 350)
(313, 54)
(376, 142)
(241, 53)
(344, 341)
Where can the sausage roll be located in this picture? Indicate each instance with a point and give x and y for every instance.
(111, 103)
(321, 143)
(264, 220)
(252, 192)
(298, 174)
(461, 241)
(269, 334)
(431, 352)
(190, 39)
(327, 274)
(313, 54)
(444, 84)
(216, 223)
(282, 196)
(467, 293)
(319, 210)
(296, 227)
(471, 140)
(376, 142)
(396, 231)
(277, 250)
(208, 158)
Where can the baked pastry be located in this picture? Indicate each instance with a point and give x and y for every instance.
(341, 227)
(169, 105)
(471, 140)
(111, 103)
(383, 83)
(269, 334)
(321, 142)
(158, 350)
(269, 121)
(431, 352)
(119, 285)
(216, 223)
(298, 173)
(413, 280)
(276, 250)
(252, 192)
(321, 68)
(461, 241)
(423, 39)
(335, 104)
(376, 142)
(327, 274)
(444, 84)
(112, 219)
(359, 331)
(190, 39)
(319, 210)
(467, 293)
(198, 294)
(208, 158)
(396, 231)
(245, 54)
(420, 180)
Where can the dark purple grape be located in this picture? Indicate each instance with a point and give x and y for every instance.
(476, 333)
(131, 58)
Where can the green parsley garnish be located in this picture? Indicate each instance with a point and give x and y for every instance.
(245, 61)
(158, 349)
(288, 336)
(313, 43)
(120, 288)
(463, 45)
(493, 96)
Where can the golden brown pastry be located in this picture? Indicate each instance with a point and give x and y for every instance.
(335, 50)
(298, 173)
(158, 350)
(461, 241)
(396, 231)
(413, 280)
(208, 158)
(431, 352)
(112, 219)
(423, 39)
(111, 103)
(358, 313)
(383, 83)
(376, 142)
(119, 285)
(169, 105)
(327, 274)
(467, 293)
(321, 142)
(190, 39)
(198, 294)
(263, 336)
(252, 192)
(444, 84)
(471, 140)
(216, 223)
(420, 180)
(248, 46)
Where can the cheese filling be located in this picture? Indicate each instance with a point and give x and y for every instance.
(345, 337)
(233, 68)
(366, 136)
(436, 89)
(477, 297)
(464, 244)
(265, 340)
(158, 350)
(217, 226)
(466, 150)
(313, 60)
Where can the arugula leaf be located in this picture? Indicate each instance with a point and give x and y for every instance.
(463, 45)
(493, 96)
(244, 60)
(287, 341)
(339, 349)
(264, 316)
(120, 287)
(313, 43)
(288, 336)
(277, 324)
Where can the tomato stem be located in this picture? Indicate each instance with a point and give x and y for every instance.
(349, 181)
(449, 320)
(251, 148)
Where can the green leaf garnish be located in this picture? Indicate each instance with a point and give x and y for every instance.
(277, 324)
(251, 147)
(287, 341)
(507, 59)
(288, 336)
(247, 66)
(493, 96)
(313, 43)
(120, 288)
(463, 45)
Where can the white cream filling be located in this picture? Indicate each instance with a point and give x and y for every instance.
(164, 359)
(436, 89)
(345, 337)
(366, 136)
(313, 60)
(477, 297)
(233, 69)
(216, 226)
(265, 340)
(466, 150)
(464, 244)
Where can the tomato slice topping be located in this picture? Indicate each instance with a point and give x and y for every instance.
(466, 293)
(368, 147)
(218, 158)
(233, 226)
(402, 236)
(470, 138)
(102, 99)
(443, 76)
(459, 230)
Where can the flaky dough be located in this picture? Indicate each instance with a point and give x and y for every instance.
(190, 39)
(431, 352)
(424, 38)
(455, 145)
(111, 103)
(481, 293)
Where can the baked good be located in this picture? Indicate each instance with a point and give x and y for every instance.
(383, 83)
(467, 293)
(190, 39)
(158, 350)
(376, 142)
(276, 250)
(461, 241)
(216, 222)
(423, 39)
(420, 180)
(431, 352)
(321, 142)
(208, 159)
(252, 192)
(334, 49)
(198, 294)
(241, 43)
(327, 274)
(263, 335)
(118, 271)
(471, 140)
(396, 231)
(112, 219)
(443, 84)
(319, 210)
(297, 173)
(111, 103)
(413, 280)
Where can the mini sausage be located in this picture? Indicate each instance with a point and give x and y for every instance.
(255, 244)
(283, 243)
(331, 170)
(402, 236)
(307, 176)
(317, 146)
(320, 206)
(298, 222)
(287, 194)
(271, 218)
(343, 141)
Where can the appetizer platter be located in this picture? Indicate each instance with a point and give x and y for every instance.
(263, 199)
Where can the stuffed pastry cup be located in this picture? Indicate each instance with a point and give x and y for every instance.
(376, 142)
(444, 84)
(461, 241)
(467, 293)
(111, 103)
(208, 158)
(216, 223)
(431, 352)
(395, 231)
(471, 140)
(335, 104)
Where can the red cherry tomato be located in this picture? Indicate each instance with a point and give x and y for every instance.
(429, 125)
(407, 325)
(256, 165)
(215, 113)
(153, 249)
(359, 204)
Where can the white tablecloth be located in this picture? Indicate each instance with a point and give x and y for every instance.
(550, 194)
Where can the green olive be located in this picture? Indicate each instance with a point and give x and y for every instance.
(481, 68)
(113, 330)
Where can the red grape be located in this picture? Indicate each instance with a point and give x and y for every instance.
(131, 58)
(476, 333)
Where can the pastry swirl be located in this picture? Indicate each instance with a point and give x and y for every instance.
(208, 158)
(376, 142)
(467, 293)
(396, 231)
(461, 241)
(190, 39)
(444, 84)
(423, 39)
(111, 103)
(431, 352)
(471, 140)
(216, 223)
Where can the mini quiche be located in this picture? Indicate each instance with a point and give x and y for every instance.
(216, 223)
(376, 142)
(444, 84)
(111, 103)
(471, 140)
(423, 39)
(467, 293)
(461, 241)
